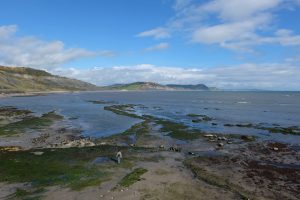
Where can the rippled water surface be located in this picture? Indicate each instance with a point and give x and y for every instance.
(282, 108)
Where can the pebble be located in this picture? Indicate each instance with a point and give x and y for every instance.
(220, 144)
(275, 149)
(38, 153)
(209, 135)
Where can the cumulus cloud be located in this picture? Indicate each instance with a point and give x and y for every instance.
(34, 52)
(258, 76)
(235, 24)
(158, 47)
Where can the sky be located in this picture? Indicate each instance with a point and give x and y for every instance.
(229, 44)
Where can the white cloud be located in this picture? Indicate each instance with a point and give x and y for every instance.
(158, 47)
(233, 24)
(7, 31)
(106, 53)
(293, 59)
(34, 52)
(258, 76)
(241, 24)
(281, 37)
(158, 33)
(237, 10)
(229, 31)
(284, 37)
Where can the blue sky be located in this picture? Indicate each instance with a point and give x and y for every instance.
(228, 44)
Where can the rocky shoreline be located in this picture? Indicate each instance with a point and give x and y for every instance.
(31, 94)
(177, 162)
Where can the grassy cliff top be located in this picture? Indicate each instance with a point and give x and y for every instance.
(24, 70)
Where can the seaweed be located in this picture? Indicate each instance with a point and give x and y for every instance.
(178, 130)
(30, 122)
(101, 102)
(196, 118)
(132, 177)
(123, 110)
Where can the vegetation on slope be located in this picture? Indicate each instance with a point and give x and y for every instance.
(21, 79)
(137, 86)
(154, 86)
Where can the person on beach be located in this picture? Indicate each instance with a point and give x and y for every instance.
(119, 156)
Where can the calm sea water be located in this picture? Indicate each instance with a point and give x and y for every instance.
(269, 108)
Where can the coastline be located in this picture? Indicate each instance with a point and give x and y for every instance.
(163, 159)
(37, 93)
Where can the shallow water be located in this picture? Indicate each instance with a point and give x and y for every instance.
(282, 108)
(101, 160)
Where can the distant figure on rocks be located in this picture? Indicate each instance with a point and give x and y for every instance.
(119, 156)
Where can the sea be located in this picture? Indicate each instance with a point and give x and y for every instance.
(225, 107)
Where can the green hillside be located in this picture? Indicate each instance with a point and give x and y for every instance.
(21, 79)
(137, 86)
(155, 86)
